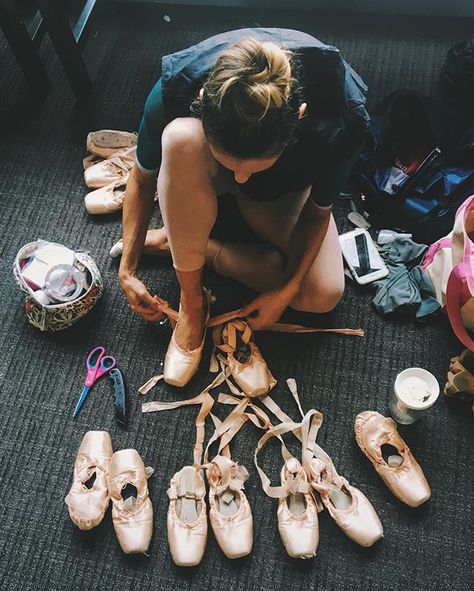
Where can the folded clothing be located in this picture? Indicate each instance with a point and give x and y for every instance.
(407, 286)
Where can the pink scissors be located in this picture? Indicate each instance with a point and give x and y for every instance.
(97, 364)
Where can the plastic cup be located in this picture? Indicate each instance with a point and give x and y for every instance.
(415, 390)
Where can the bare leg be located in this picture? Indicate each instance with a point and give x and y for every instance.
(188, 204)
(263, 266)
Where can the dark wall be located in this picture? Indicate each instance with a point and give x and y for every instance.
(408, 7)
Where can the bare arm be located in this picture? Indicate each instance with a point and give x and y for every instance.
(137, 210)
(306, 240)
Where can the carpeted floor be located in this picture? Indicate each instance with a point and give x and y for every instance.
(41, 375)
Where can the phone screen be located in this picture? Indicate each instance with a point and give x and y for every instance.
(362, 255)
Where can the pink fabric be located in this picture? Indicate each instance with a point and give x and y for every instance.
(460, 285)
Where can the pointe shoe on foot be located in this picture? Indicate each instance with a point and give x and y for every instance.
(108, 199)
(106, 142)
(229, 510)
(244, 359)
(132, 512)
(297, 513)
(400, 472)
(187, 517)
(115, 168)
(347, 505)
(88, 498)
(181, 365)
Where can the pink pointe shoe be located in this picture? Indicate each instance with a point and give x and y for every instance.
(108, 199)
(244, 359)
(132, 512)
(401, 472)
(297, 513)
(230, 514)
(187, 517)
(106, 142)
(115, 168)
(347, 505)
(180, 365)
(88, 498)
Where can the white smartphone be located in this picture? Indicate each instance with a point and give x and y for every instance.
(362, 257)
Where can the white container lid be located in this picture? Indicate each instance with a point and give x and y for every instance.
(416, 388)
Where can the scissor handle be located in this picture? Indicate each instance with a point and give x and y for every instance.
(94, 358)
(98, 364)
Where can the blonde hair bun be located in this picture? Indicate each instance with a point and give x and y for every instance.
(255, 76)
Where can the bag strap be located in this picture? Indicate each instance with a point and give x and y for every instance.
(453, 307)
(447, 199)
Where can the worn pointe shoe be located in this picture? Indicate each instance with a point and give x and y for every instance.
(350, 509)
(106, 142)
(181, 365)
(401, 472)
(297, 513)
(187, 517)
(116, 168)
(88, 498)
(229, 510)
(108, 199)
(246, 363)
(132, 512)
(460, 384)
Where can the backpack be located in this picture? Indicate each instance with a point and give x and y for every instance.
(458, 70)
(419, 167)
(449, 263)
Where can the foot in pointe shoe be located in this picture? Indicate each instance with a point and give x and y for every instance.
(88, 498)
(181, 365)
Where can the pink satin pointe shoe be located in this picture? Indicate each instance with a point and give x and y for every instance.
(187, 517)
(106, 142)
(132, 512)
(88, 498)
(297, 513)
(229, 510)
(115, 168)
(347, 505)
(108, 199)
(244, 359)
(400, 472)
(180, 365)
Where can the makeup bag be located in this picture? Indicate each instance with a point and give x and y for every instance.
(450, 264)
(54, 317)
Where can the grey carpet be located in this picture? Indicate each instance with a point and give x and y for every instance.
(41, 375)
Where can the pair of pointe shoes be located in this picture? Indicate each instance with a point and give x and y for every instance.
(236, 350)
(377, 436)
(229, 512)
(101, 476)
(305, 490)
(108, 176)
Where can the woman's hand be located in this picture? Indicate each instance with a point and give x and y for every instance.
(267, 308)
(140, 300)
